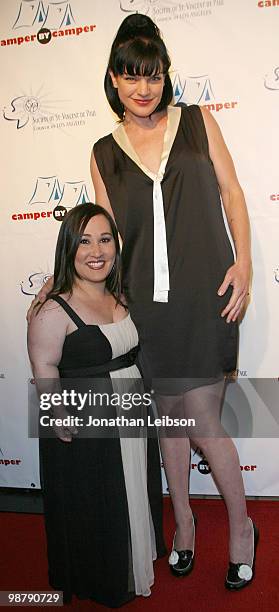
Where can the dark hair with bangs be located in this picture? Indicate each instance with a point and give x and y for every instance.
(137, 49)
(68, 241)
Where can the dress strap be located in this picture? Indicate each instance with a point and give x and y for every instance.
(72, 314)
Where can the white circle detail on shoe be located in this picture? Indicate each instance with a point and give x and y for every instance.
(173, 558)
(245, 572)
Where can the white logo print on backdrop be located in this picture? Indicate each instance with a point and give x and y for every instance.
(166, 10)
(51, 15)
(57, 198)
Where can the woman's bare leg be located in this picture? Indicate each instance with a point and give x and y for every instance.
(205, 403)
(176, 454)
(176, 457)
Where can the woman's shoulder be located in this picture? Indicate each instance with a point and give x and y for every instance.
(51, 310)
(192, 120)
(103, 142)
(48, 323)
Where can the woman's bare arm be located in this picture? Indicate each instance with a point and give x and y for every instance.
(239, 274)
(46, 336)
(99, 187)
(39, 299)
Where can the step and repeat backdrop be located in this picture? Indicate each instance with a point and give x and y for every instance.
(53, 59)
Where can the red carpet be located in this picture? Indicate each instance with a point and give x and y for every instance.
(24, 567)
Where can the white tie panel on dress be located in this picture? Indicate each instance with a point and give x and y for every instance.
(160, 255)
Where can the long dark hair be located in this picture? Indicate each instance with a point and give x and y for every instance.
(138, 49)
(68, 241)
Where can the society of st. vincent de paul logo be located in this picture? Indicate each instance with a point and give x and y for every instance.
(183, 10)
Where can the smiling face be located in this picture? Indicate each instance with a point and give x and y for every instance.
(140, 95)
(95, 255)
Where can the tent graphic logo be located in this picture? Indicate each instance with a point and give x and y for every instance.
(193, 90)
(42, 14)
(49, 191)
(58, 197)
(34, 283)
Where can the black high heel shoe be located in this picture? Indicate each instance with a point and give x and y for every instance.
(241, 574)
(182, 561)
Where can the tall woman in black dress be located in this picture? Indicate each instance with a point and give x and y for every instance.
(161, 173)
(100, 534)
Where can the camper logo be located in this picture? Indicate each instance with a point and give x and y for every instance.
(45, 21)
(56, 197)
(202, 464)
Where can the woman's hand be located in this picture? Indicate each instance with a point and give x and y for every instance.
(39, 299)
(237, 276)
(63, 432)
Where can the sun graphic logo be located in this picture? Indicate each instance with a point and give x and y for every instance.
(32, 108)
(276, 275)
(22, 109)
(34, 282)
(140, 6)
(271, 80)
(50, 15)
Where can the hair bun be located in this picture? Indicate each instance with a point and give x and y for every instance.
(137, 25)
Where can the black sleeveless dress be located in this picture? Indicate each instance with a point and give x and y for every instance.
(185, 338)
(90, 487)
